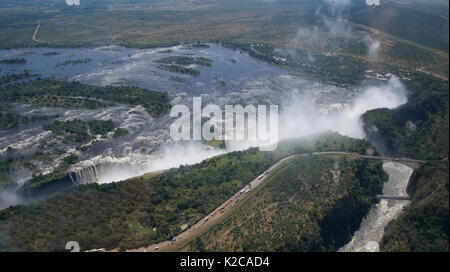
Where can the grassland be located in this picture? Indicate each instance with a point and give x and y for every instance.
(409, 24)
(145, 23)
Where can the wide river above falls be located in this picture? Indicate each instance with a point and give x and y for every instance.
(306, 107)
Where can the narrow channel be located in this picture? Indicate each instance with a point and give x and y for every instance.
(371, 231)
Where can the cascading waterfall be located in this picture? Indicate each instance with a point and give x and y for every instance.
(85, 175)
(112, 169)
(107, 171)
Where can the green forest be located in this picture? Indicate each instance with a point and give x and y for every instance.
(306, 204)
(296, 211)
(80, 131)
(418, 129)
(180, 69)
(10, 120)
(52, 93)
(424, 226)
(13, 61)
(147, 209)
(183, 60)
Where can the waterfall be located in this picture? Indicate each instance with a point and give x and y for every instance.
(85, 175)
(107, 170)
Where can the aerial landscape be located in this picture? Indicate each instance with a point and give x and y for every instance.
(224, 126)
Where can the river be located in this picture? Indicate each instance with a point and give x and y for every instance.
(306, 107)
(371, 231)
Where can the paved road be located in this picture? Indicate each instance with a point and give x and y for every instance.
(370, 157)
(333, 153)
(222, 209)
(215, 215)
(393, 197)
(391, 159)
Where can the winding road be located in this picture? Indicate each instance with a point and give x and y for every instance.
(223, 209)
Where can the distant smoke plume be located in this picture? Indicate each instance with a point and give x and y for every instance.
(332, 28)
(333, 31)
(374, 47)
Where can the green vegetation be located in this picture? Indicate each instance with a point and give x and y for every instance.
(7, 169)
(70, 159)
(10, 166)
(160, 202)
(15, 77)
(100, 127)
(415, 38)
(413, 55)
(73, 62)
(199, 45)
(42, 157)
(216, 143)
(153, 24)
(53, 53)
(402, 54)
(41, 182)
(166, 51)
(13, 61)
(142, 210)
(10, 120)
(424, 227)
(415, 25)
(119, 132)
(72, 131)
(178, 79)
(418, 129)
(182, 60)
(80, 131)
(65, 102)
(342, 70)
(52, 93)
(179, 69)
(307, 204)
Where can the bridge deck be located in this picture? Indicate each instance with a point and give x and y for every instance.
(391, 159)
(393, 197)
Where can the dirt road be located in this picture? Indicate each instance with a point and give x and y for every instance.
(36, 31)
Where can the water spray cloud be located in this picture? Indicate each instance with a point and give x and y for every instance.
(301, 117)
